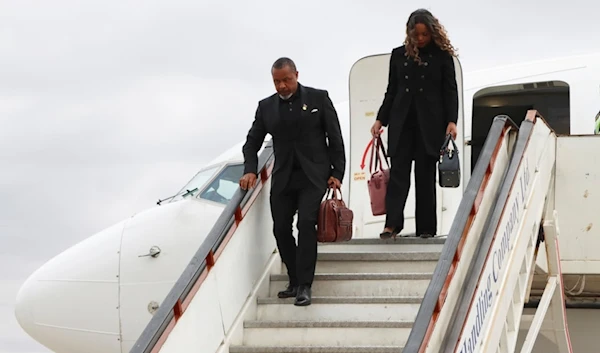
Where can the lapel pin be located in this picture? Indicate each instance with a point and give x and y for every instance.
(304, 107)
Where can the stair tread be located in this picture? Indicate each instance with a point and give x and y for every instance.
(326, 324)
(361, 276)
(379, 256)
(346, 300)
(400, 240)
(315, 349)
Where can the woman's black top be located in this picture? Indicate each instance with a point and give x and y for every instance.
(430, 88)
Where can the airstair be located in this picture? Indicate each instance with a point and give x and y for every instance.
(463, 292)
(365, 298)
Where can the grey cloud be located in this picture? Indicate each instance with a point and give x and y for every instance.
(156, 120)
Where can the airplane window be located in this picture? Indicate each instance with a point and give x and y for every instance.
(197, 183)
(225, 185)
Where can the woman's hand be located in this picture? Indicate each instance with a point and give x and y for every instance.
(376, 128)
(451, 129)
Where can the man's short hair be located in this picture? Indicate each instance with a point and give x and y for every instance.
(283, 62)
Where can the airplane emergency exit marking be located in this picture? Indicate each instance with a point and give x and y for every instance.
(360, 176)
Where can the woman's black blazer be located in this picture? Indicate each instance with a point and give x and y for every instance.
(432, 86)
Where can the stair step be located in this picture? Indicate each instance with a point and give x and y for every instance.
(316, 349)
(362, 276)
(388, 247)
(337, 258)
(346, 300)
(379, 256)
(325, 336)
(398, 240)
(350, 266)
(326, 324)
(361, 284)
(341, 309)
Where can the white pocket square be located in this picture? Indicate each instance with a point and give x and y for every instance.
(314, 110)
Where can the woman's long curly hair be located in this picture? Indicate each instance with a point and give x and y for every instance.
(437, 30)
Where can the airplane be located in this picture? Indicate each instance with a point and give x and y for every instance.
(99, 295)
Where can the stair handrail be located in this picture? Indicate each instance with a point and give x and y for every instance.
(179, 297)
(437, 290)
(468, 289)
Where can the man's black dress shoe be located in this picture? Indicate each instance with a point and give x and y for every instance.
(303, 298)
(289, 292)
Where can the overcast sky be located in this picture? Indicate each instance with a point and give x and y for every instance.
(106, 106)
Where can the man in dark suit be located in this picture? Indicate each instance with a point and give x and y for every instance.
(309, 157)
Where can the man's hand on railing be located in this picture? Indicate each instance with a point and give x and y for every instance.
(248, 181)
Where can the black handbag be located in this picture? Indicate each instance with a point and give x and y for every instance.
(449, 165)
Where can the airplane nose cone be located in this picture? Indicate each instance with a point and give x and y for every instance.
(55, 304)
(22, 307)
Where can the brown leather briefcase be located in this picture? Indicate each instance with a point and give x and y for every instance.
(335, 219)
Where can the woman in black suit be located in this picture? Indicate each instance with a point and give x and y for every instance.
(420, 108)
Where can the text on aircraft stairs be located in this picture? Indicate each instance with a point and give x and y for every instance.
(408, 295)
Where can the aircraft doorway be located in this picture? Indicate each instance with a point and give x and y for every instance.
(483, 116)
(551, 99)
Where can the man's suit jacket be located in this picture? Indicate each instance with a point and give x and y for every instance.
(315, 138)
(433, 88)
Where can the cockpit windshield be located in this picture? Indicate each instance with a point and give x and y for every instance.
(217, 184)
(196, 184)
(224, 186)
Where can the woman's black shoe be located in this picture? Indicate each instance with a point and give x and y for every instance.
(388, 234)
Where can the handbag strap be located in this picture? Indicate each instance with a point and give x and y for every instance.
(385, 156)
(447, 142)
(376, 148)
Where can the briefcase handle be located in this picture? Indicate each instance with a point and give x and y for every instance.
(333, 191)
